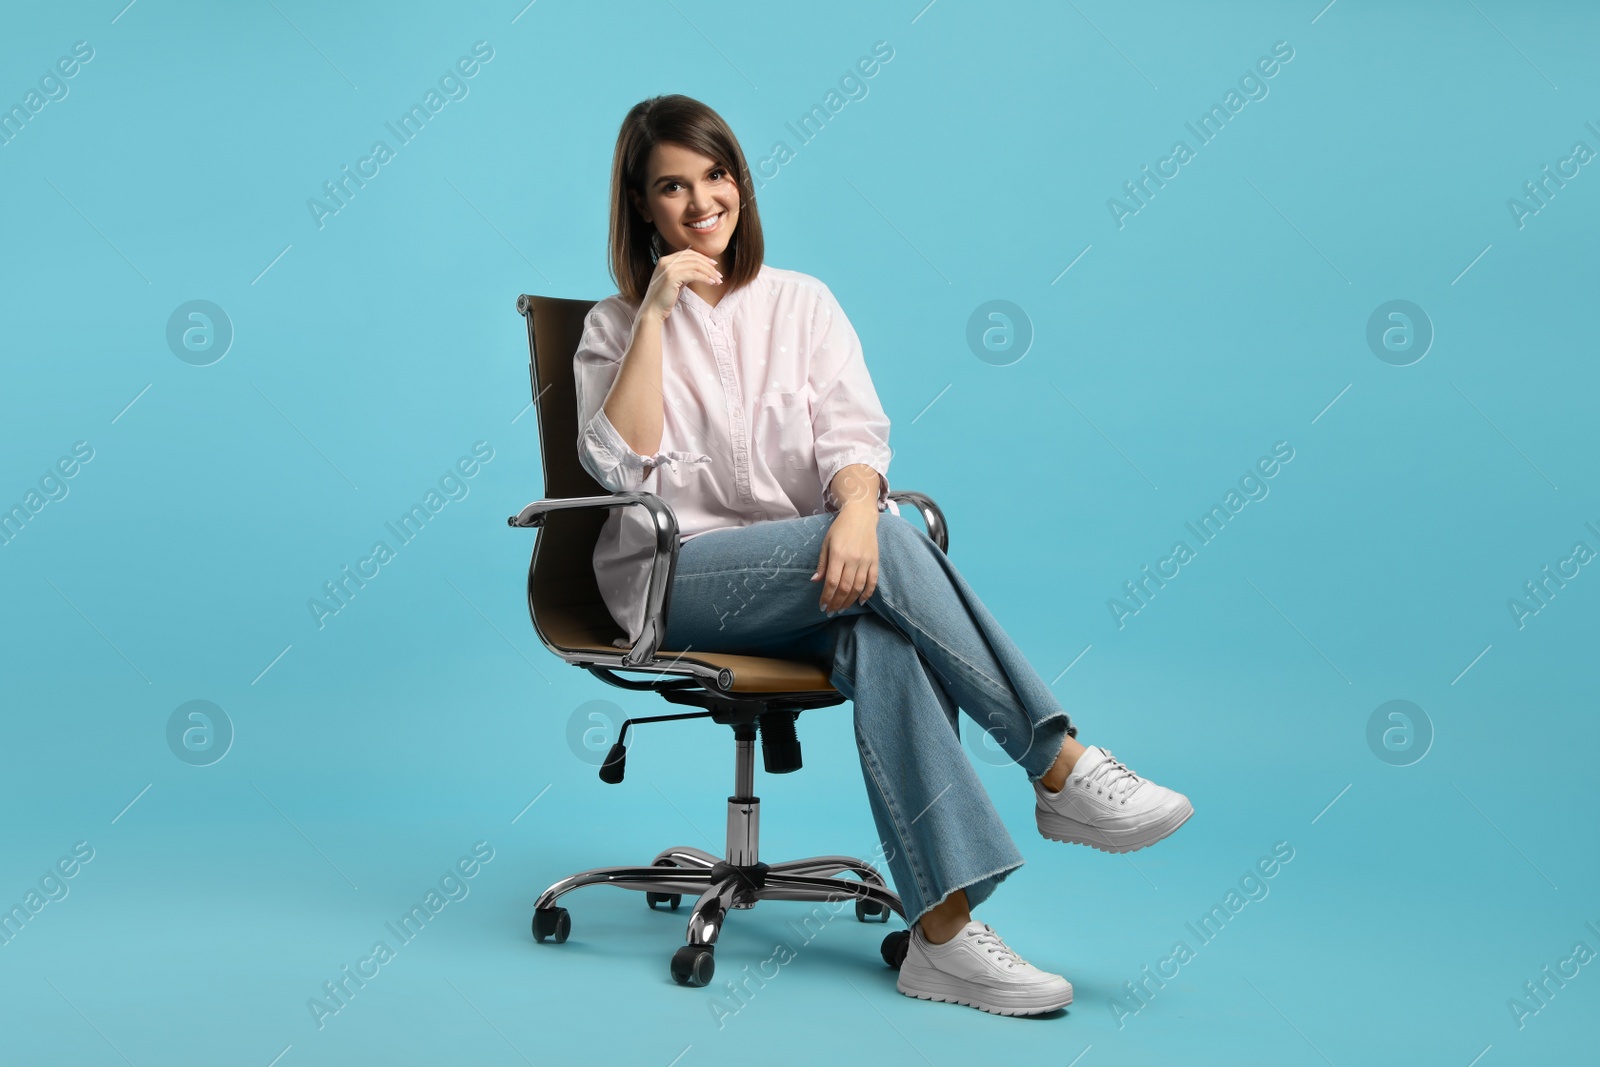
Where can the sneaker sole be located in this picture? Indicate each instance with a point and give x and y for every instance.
(1057, 829)
(947, 997)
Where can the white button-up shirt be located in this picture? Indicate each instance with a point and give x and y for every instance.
(766, 398)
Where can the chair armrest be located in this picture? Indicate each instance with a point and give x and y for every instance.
(938, 531)
(661, 567)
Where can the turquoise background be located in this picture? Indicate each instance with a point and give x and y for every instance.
(370, 354)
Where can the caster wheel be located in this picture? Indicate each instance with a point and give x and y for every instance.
(693, 965)
(894, 948)
(671, 900)
(552, 924)
(870, 911)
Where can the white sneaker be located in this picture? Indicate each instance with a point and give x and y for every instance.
(978, 969)
(1105, 805)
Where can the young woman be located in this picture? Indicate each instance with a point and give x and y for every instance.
(738, 393)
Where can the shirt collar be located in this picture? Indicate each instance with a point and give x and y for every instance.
(723, 310)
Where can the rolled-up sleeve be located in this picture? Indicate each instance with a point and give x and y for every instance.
(848, 421)
(604, 453)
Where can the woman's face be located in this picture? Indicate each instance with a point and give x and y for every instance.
(683, 187)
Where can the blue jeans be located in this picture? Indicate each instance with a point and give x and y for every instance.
(921, 647)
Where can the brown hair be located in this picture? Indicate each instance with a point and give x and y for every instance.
(684, 121)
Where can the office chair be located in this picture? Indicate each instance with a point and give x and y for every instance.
(757, 696)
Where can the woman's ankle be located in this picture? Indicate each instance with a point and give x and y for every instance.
(1056, 777)
(945, 920)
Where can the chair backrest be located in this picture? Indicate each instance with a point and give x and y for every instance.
(562, 593)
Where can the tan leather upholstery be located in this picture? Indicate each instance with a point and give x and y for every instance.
(579, 631)
(566, 604)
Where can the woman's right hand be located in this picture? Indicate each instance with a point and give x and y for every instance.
(672, 272)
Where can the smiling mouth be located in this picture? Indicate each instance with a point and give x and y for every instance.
(708, 224)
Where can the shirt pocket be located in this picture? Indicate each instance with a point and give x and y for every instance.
(782, 433)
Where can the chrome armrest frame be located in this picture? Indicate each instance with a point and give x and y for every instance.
(662, 566)
(665, 563)
(938, 530)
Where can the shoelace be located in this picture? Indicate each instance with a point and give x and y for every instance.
(992, 943)
(1112, 777)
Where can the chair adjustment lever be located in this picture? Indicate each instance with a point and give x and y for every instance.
(616, 760)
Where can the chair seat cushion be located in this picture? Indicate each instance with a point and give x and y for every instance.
(591, 629)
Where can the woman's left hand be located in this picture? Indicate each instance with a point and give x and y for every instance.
(848, 564)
